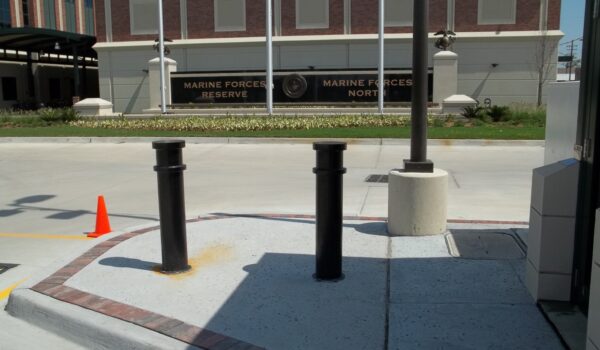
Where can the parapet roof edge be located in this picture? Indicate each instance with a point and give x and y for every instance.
(322, 38)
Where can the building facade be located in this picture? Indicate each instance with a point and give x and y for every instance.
(500, 44)
(34, 73)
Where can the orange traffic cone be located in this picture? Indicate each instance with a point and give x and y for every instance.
(102, 223)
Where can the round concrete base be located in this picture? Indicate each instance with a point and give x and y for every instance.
(417, 203)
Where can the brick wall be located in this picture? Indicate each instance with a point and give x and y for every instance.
(553, 14)
(288, 19)
(13, 14)
(100, 20)
(528, 17)
(365, 17)
(201, 21)
(121, 27)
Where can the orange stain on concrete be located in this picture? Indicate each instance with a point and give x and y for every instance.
(209, 256)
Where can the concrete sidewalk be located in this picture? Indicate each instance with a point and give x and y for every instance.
(251, 287)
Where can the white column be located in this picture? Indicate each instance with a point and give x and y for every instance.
(154, 82)
(445, 75)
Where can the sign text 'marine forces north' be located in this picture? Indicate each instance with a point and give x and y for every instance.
(292, 87)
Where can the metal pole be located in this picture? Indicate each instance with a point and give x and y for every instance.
(269, 30)
(161, 50)
(76, 79)
(171, 204)
(381, 54)
(329, 209)
(30, 77)
(418, 142)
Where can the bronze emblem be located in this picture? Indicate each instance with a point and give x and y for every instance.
(294, 86)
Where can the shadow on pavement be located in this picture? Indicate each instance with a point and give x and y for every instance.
(129, 263)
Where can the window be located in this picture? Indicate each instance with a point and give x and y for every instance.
(230, 15)
(50, 14)
(70, 15)
(497, 12)
(9, 88)
(54, 86)
(25, 8)
(5, 21)
(312, 14)
(89, 17)
(398, 13)
(143, 16)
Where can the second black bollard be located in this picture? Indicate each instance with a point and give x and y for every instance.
(171, 204)
(329, 171)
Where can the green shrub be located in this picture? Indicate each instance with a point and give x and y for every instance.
(437, 122)
(497, 113)
(49, 115)
(523, 114)
(472, 112)
(69, 115)
(58, 115)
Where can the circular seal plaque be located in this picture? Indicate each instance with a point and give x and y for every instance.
(294, 86)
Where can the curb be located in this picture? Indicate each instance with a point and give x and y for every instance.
(87, 328)
(271, 140)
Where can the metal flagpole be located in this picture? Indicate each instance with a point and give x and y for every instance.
(269, 30)
(381, 52)
(418, 141)
(161, 50)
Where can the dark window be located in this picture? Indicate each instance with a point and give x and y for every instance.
(5, 21)
(25, 8)
(70, 9)
(49, 14)
(54, 85)
(9, 88)
(89, 17)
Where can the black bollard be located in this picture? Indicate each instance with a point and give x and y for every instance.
(171, 204)
(329, 170)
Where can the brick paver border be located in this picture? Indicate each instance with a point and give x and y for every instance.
(53, 286)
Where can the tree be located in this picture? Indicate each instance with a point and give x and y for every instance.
(545, 57)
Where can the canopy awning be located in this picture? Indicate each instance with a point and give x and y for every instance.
(45, 40)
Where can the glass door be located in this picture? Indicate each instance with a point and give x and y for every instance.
(588, 146)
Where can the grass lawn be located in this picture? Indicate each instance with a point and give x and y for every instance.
(499, 132)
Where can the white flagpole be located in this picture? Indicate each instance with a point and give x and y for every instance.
(381, 52)
(269, 85)
(161, 50)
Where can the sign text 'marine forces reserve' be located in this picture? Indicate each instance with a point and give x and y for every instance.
(296, 87)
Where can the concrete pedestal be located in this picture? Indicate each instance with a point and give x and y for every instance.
(154, 82)
(551, 239)
(417, 203)
(94, 107)
(445, 75)
(455, 104)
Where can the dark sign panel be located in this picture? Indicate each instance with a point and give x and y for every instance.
(292, 87)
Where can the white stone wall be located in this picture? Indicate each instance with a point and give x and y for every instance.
(514, 79)
(561, 121)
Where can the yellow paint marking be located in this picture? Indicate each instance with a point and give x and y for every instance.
(5, 293)
(44, 236)
(209, 256)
